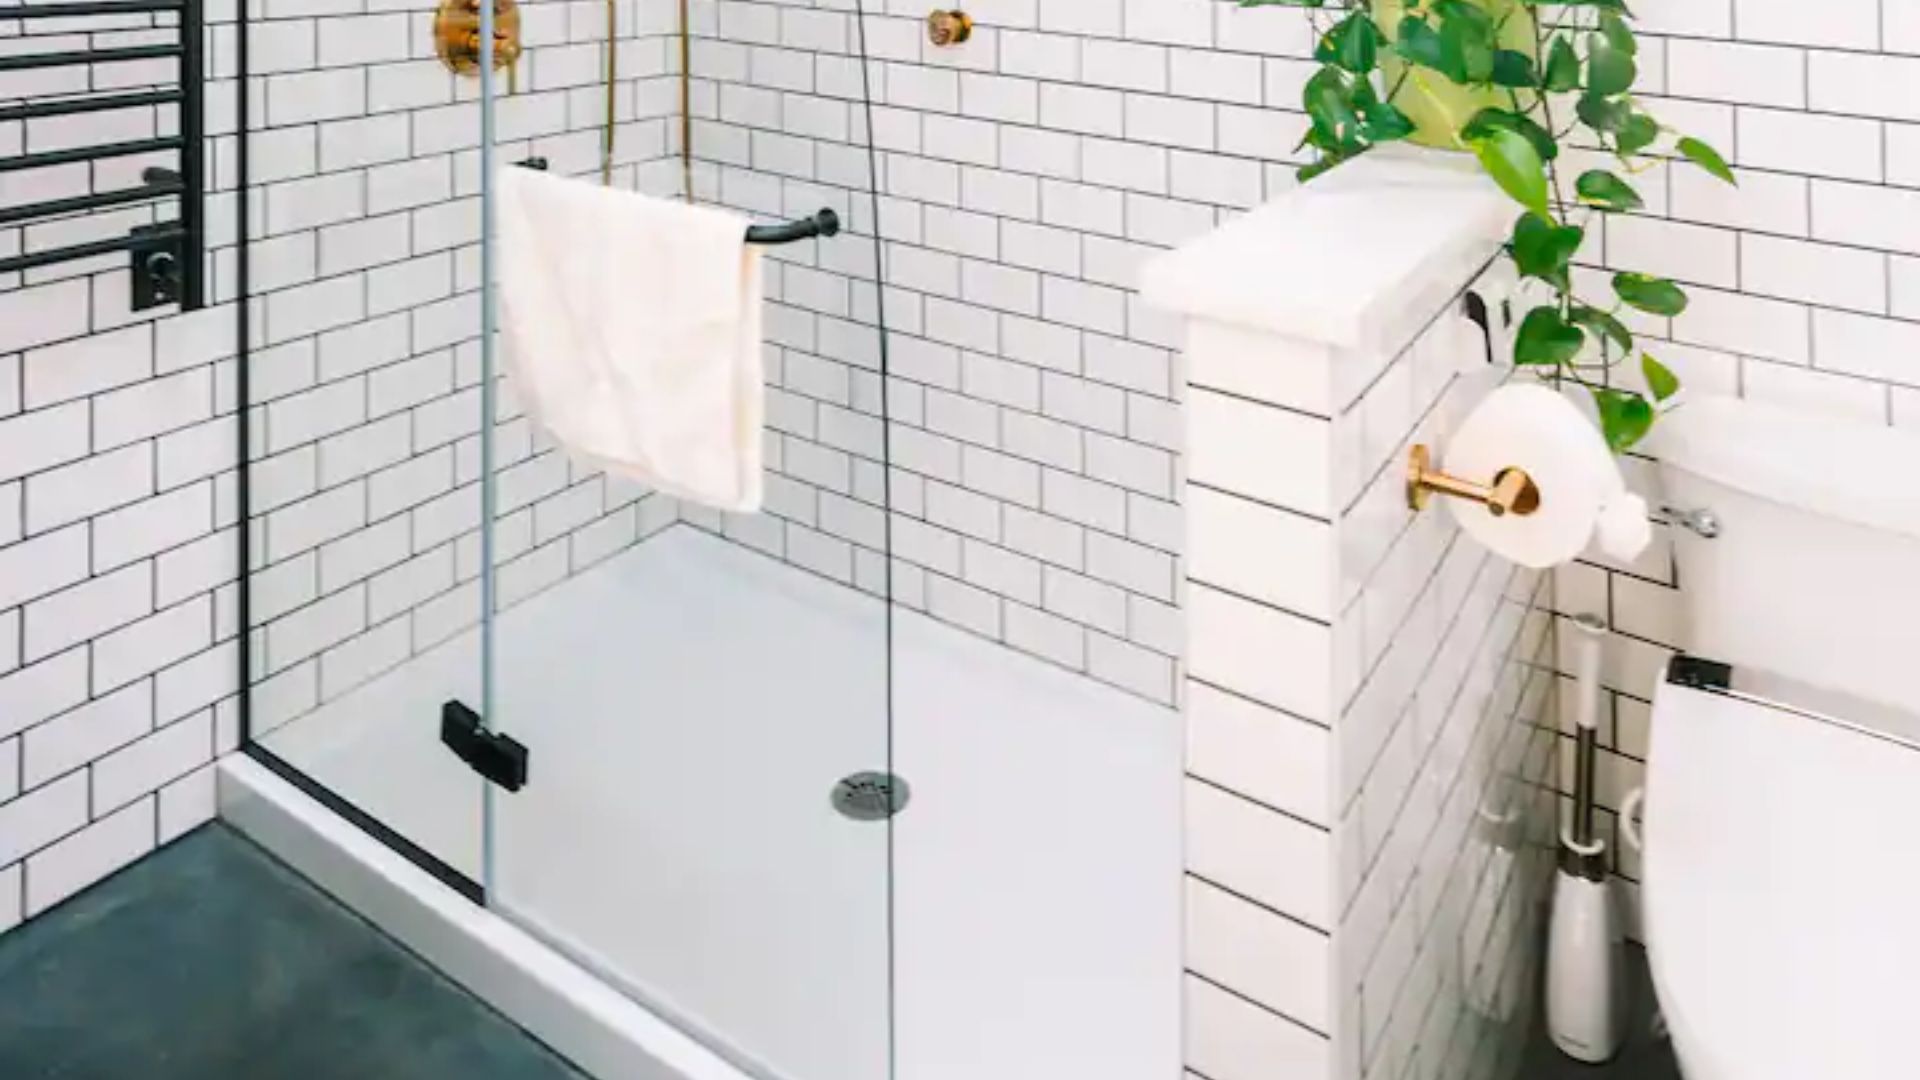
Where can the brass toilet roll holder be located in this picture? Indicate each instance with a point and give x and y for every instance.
(1512, 490)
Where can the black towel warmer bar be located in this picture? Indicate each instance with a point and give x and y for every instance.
(167, 260)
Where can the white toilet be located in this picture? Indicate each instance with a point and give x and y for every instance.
(1781, 894)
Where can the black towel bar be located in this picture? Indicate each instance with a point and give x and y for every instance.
(102, 103)
(89, 7)
(824, 223)
(97, 152)
(28, 61)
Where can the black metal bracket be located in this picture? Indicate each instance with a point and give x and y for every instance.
(495, 756)
(1475, 308)
(1699, 673)
(155, 260)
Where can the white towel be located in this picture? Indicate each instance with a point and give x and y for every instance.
(631, 328)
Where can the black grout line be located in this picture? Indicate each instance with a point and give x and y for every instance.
(1256, 1003)
(1260, 803)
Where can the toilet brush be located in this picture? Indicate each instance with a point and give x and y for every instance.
(1586, 1007)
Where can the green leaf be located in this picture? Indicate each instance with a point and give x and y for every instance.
(1515, 165)
(1487, 121)
(1512, 68)
(1618, 33)
(1563, 67)
(1604, 326)
(1707, 158)
(1328, 98)
(1353, 43)
(1419, 43)
(1661, 381)
(1546, 338)
(1656, 296)
(1598, 187)
(1382, 121)
(1610, 70)
(1544, 250)
(1604, 114)
(1636, 134)
(1467, 32)
(1625, 418)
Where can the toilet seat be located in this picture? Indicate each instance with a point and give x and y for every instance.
(1781, 901)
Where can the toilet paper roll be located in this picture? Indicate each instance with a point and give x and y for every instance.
(1528, 426)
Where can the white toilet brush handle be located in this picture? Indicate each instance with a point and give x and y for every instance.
(1588, 648)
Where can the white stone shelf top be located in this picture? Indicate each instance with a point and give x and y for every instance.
(1330, 261)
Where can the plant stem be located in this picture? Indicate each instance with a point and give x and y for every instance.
(1540, 37)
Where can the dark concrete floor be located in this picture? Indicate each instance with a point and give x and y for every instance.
(212, 961)
(1647, 1054)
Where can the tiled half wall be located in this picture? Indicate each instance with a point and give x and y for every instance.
(1369, 693)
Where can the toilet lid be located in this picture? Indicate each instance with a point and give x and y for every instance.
(1781, 901)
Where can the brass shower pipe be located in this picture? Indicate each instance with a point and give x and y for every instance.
(613, 73)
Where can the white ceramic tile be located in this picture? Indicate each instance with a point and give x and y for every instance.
(89, 855)
(1257, 551)
(1233, 1039)
(1268, 756)
(1257, 853)
(1276, 962)
(1260, 652)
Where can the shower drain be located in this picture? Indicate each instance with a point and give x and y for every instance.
(870, 796)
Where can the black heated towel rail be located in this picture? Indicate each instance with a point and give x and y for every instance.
(167, 259)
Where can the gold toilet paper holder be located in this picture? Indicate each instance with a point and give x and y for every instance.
(1512, 490)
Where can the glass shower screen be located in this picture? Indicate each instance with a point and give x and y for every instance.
(703, 696)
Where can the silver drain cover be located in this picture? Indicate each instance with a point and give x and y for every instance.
(870, 796)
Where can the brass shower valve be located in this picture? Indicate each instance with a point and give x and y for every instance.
(949, 28)
(456, 35)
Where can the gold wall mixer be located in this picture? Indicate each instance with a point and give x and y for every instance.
(456, 37)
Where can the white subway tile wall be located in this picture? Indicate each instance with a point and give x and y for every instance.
(1032, 403)
(366, 373)
(1369, 735)
(117, 491)
(118, 546)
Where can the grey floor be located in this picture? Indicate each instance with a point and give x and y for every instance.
(1647, 1054)
(212, 961)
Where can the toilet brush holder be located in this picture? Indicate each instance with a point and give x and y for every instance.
(1586, 1002)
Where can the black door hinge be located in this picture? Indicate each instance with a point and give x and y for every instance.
(493, 755)
(1698, 673)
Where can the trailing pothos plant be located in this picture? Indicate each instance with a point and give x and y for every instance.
(1497, 78)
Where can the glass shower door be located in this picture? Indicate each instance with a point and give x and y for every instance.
(704, 695)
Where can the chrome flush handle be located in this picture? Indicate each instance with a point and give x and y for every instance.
(1702, 522)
